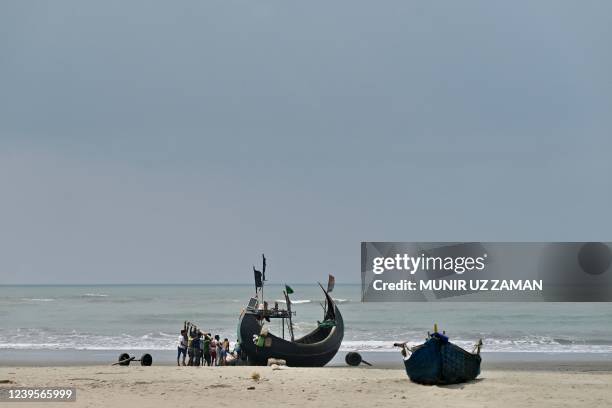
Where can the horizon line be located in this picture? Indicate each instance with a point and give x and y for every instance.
(165, 284)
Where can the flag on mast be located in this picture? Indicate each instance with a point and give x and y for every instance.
(258, 281)
(264, 267)
(331, 282)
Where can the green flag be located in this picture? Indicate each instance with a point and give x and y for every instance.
(288, 289)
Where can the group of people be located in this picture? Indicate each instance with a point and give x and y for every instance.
(203, 349)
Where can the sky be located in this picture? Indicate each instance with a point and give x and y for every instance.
(174, 142)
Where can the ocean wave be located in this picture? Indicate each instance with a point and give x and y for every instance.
(302, 301)
(520, 344)
(32, 339)
(37, 299)
(508, 346)
(601, 342)
(94, 295)
(303, 328)
(345, 347)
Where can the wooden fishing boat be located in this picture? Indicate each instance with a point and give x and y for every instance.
(438, 361)
(315, 349)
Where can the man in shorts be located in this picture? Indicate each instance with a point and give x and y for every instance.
(213, 351)
(206, 349)
(195, 344)
(219, 345)
(181, 347)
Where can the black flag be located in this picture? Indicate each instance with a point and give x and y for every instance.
(258, 282)
(330, 283)
(264, 267)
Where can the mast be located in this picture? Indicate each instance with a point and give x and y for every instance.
(260, 278)
(263, 276)
(289, 310)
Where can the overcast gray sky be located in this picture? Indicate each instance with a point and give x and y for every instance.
(153, 142)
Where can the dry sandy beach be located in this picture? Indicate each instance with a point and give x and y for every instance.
(135, 386)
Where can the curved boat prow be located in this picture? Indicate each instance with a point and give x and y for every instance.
(330, 310)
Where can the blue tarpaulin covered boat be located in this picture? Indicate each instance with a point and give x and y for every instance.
(438, 361)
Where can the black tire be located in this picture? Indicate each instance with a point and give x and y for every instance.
(353, 359)
(146, 360)
(122, 357)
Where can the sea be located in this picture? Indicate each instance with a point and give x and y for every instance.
(56, 322)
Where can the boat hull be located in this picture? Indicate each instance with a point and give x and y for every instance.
(441, 362)
(313, 350)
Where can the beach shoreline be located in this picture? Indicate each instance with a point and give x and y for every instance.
(98, 386)
(382, 360)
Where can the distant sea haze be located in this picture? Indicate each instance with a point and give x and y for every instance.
(149, 317)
